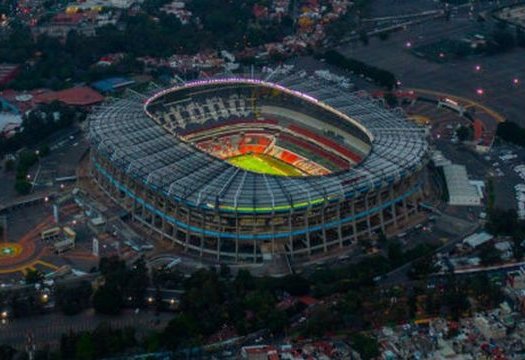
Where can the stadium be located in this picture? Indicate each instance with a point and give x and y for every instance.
(239, 169)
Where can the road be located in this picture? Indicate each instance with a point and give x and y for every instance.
(48, 328)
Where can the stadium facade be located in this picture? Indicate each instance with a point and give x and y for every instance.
(164, 157)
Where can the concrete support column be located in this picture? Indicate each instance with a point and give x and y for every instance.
(290, 237)
(354, 222)
(325, 240)
(393, 206)
(381, 216)
(237, 238)
(163, 221)
(405, 210)
(202, 237)
(187, 232)
(307, 224)
(339, 226)
(368, 225)
(254, 251)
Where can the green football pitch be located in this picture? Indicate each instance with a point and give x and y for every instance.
(264, 164)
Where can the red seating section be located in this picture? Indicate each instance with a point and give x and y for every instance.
(334, 159)
(288, 157)
(258, 141)
(323, 140)
(253, 143)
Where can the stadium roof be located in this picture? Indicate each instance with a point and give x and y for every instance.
(133, 141)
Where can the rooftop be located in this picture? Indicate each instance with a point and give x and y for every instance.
(76, 96)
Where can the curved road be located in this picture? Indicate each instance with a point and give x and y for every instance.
(497, 116)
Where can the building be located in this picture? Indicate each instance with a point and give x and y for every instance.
(166, 158)
(113, 84)
(477, 239)
(9, 124)
(490, 328)
(460, 191)
(75, 96)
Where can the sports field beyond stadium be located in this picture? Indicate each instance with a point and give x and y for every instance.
(264, 164)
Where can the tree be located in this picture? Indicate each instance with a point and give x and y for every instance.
(390, 99)
(136, 282)
(464, 133)
(517, 248)
(225, 271)
(363, 37)
(7, 352)
(33, 276)
(276, 321)
(9, 165)
(384, 35)
(22, 186)
(511, 132)
(74, 299)
(366, 346)
(183, 330)
(107, 300)
(395, 253)
(295, 285)
(85, 348)
(489, 255)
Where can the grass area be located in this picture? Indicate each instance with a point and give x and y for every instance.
(264, 164)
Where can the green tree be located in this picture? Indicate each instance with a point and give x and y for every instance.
(391, 99)
(85, 348)
(363, 37)
(73, 299)
(9, 165)
(464, 133)
(183, 330)
(22, 186)
(107, 300)
(395, 253)
(33, 276)
(489, 255)
(511, 132)
(366, 346)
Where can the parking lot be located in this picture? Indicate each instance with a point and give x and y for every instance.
(495, 76)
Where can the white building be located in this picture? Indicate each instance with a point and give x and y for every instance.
(477, 239)
(461, 192)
